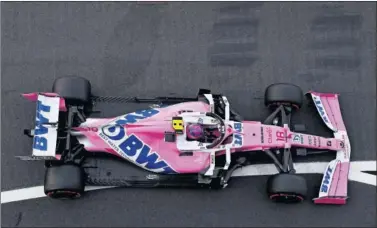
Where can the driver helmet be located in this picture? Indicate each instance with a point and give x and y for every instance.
(194, 131)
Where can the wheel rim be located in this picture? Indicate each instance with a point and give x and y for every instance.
(63, 194)
(286, 198)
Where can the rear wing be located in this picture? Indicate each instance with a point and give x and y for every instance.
(45, 132)
(333, 188)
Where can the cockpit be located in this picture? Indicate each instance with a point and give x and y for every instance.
(200, 131)
(207, 132)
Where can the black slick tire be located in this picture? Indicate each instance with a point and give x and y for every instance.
(74, 89)
(283, 94)
(65, 181)
(287, 188)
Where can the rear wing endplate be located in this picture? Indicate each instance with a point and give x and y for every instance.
(46, 124)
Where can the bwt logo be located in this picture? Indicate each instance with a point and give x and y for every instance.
(131, 146)
(326, 180)
(238, 137)
(321, 110)
(40, 133)
(134, 117)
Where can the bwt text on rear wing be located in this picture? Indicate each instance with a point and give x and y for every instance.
(45, 132)
(333, 188)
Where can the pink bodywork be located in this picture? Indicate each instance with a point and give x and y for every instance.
(150, 129)
(151, 132)
(256, 137)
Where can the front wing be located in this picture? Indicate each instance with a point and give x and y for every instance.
(333, 188)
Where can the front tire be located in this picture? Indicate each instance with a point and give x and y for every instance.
(287, 188)
(65, 181)
(283, 94)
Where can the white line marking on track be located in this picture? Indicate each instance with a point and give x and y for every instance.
(355, 174)
(33, 193)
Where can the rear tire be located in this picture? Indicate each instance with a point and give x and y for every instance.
(75, 90)
(64, 182)
(283, 94)
(287, 188)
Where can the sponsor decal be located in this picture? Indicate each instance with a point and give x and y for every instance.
(326, 180)
(269, 134)
(328, 143)
(297, 138)
(94, 129)
(321, 109)
(131, 147)
(45, 130)
(41, 132)
(262, 134)
(310, 140)
(135, 116)
(346, 148)
(315, 141)
(238, 138)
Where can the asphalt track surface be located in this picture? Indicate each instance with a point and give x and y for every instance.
(145, 49)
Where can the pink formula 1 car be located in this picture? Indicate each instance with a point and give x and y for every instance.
(180, 142)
